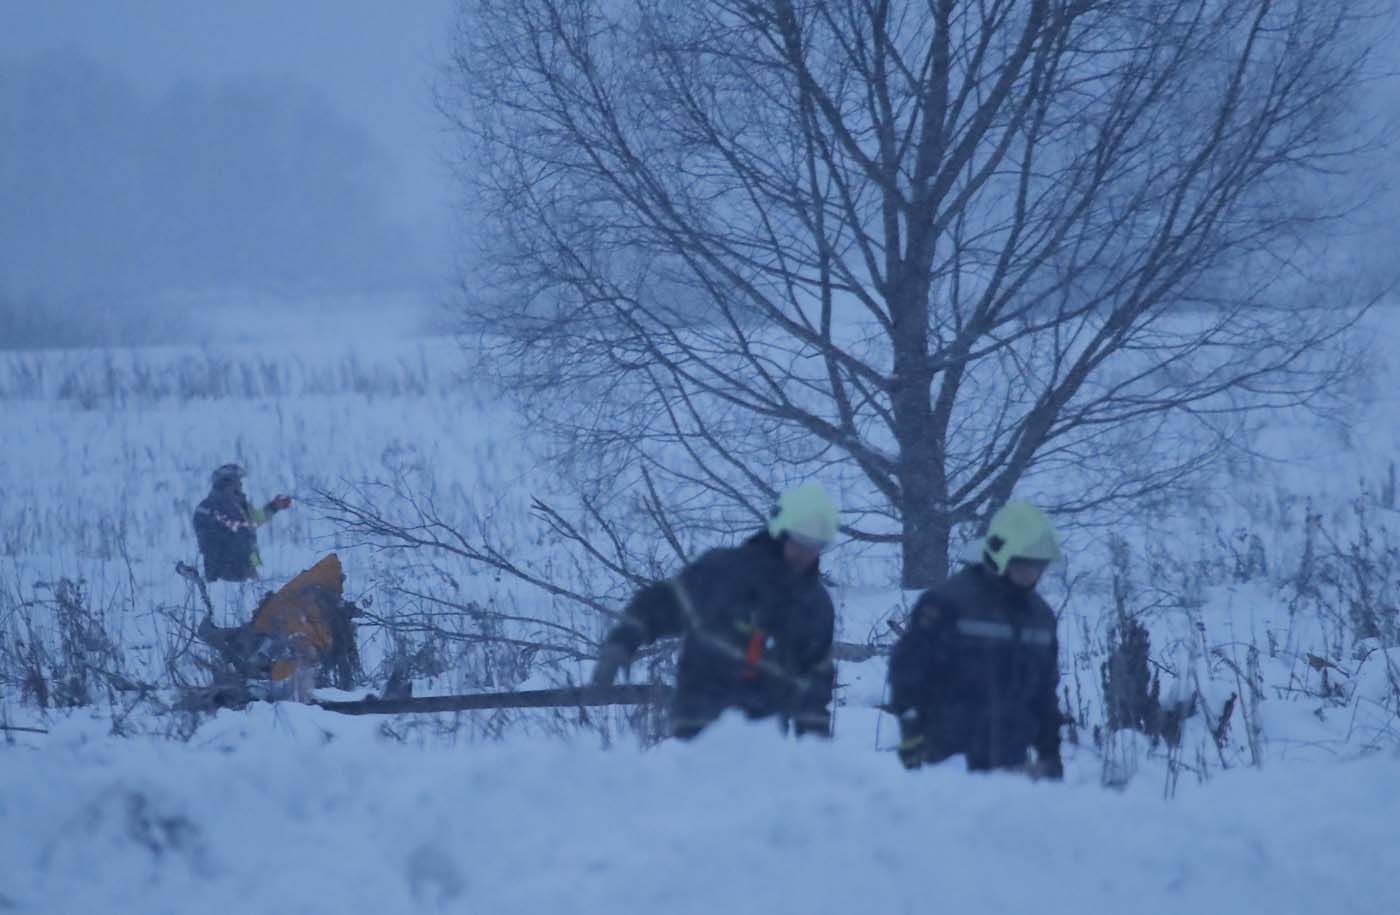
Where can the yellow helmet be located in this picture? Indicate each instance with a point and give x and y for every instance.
(805, 513)
(1019, 530)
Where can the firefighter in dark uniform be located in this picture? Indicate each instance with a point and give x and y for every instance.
(977, 669)
(225, 525)
(755, 620)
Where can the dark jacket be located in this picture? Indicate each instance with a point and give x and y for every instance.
(757, 636)
(224, 525)
(977, 671)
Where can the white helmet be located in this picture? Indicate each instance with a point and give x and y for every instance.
(1019, 530)
(807, 514)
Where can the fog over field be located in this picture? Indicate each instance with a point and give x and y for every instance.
(168, 161)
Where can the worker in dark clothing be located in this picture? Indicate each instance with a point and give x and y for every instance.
(976, 671)
(755, 620)
(225, 525)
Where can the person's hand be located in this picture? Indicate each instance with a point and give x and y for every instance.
(610, 660)
(911, 751)
(913, 746)
(280, 503)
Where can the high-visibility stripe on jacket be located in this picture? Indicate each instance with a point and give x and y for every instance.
(225, 525)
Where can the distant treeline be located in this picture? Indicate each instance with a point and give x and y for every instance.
(34, 323)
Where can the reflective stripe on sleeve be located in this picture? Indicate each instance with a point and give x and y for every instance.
(984, 629)
(1043, 637)
(989, 629)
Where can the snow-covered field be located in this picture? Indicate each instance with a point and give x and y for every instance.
(118, 808)
(293, 810)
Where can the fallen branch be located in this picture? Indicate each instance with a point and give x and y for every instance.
(565, 697)
(15, 727)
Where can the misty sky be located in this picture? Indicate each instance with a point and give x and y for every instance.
(160, 146)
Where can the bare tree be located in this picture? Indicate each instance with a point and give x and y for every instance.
(931, 252)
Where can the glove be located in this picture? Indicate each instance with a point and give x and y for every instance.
(610, 659)
(913, 746)
(911, 751)
(1047, 767)
(279, 503)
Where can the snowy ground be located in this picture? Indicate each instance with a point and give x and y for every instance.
(296, 810)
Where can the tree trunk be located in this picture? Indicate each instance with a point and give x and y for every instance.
(924, 549)
(922, 476)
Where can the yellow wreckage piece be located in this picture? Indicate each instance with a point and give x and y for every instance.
(298, 613)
